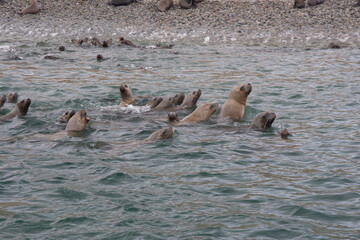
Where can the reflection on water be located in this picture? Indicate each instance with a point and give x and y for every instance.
(212, 180)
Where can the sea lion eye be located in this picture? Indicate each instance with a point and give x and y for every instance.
(66, 113)
(242, 88)
(126, 86)
(22, 101)
(194, 92)
(176, 95)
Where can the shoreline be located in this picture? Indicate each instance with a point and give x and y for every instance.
(271, 22)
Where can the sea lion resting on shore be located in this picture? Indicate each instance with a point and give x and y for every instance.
(2, 100)
(12, 97)
(32, 8)
(65, 117)
(164, 5)
(234, 107)
(20, 109)
(263, 121)
(299, 3)
(126, 95)
(120, 2)
(186, 4)
(315, 2)
(76, 124)
(202, 113)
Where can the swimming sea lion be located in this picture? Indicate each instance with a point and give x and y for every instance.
(263, 120)
(202, 113)
(2, 100)
(76, 124)
(32, 8)
(65, 117)
(120, 2)
(12, 97)
(154, 101)
(173, 117)
(167, 102)
(284, 133)
(96, 42)
(186, 4)
(299, 3)
(61, 48)
(161, 134)
(234, 107)
(179, 98)
(126, 95)
(123, 41)
(164, 5)
(191, 99)
(20, 109)
(99, 57)
(78, 121)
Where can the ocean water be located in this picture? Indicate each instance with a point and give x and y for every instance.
(211, 180)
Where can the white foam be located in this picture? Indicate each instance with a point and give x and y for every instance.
(129, 109)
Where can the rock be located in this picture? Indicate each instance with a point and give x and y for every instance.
(299, 3)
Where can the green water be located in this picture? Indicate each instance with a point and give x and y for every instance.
(212, 180)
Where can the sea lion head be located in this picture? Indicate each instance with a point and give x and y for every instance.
(179, 98)
(284, 133)
(166, 102)
(126, 94)
(191, 99)
(202, 113)
(161, 134)
(78, 121)
(12, 97)
(66, 116)
(2, 100)
(263, 120)
(23, 106)
(154, 101)
(240, 93)
(173, 117)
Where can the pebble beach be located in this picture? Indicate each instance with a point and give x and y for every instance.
(248, 21)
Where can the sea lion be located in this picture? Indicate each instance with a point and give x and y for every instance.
(20, 109)
(107, 43)
(161, 134)
(61, 48)
(315, 2)
(78, 121)
(202, 113)
(120, 2)
(284, 133)
(191, 99)
(76, 124)
(299, 3)
(263, 121)
(234, 107)
(12, 97)
(164, 5)
(96, 42)
(123, 41)
(99, 57)
(65, 117)
(357, 4)
(2, 100)
(186, 4)
(173, 117)
(167, 102)
(154, 101)
(126, 95)
(50, 57)
(179, 98)
(32, 8)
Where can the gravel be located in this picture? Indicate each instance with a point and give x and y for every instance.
(248, 21)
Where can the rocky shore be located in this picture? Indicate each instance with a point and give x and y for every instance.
(250, 21)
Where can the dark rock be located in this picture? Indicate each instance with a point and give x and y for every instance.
(299, 3)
